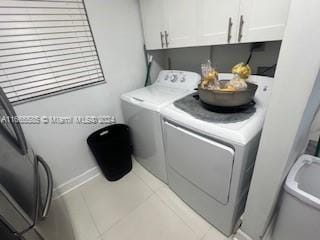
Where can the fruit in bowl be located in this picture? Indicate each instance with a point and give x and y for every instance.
(242, 70)
(210, 76)
(241, 73)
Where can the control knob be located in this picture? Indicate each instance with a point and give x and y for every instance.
(173, 78)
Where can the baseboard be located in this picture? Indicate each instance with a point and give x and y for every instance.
(240, 235)
(75, 182)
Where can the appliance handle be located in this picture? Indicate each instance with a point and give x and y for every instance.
(166, 35)
(15, 124)
(161, 37)
(229, 30)
(240, 34)
(136, 100)
(48, 201)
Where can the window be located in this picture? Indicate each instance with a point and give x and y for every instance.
(46, 47)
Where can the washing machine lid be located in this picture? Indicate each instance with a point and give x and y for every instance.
(239, 132)
(154, 96)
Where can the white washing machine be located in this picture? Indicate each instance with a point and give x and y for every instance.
(210, 156)
(141, 110)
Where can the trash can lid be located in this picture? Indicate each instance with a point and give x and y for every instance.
(303, 180)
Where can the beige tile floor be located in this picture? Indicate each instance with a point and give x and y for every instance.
(137, 207)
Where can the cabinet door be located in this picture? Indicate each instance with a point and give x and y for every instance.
(217, 21)
(152, 12)
(263, 20)
(181, 22)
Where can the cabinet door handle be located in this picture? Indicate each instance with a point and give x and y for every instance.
(166, 38)
(229, 29)
(161, 37)
(240, 28)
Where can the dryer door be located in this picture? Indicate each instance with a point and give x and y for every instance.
(203, 162)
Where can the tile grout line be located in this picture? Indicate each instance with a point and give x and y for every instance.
(204, 236)
(64, 205)
(175, 213)
(129, 213)
(143, 181)
(167, 205)
(120, 219)
(154, 193)
(90, 214)
(153, 190)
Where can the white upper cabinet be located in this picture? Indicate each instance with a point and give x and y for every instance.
(262, 20)
(152, 13)
(181, 22)
(186, 23)
(217, 21)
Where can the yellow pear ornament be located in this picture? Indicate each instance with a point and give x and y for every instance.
(241, 73)
(243, 70)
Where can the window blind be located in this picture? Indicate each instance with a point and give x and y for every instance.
(46, 47)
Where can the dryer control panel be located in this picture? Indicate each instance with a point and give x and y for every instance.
(178, 79)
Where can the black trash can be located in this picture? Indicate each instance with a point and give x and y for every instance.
(112, 149)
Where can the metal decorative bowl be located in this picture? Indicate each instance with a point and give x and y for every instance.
(227, 98)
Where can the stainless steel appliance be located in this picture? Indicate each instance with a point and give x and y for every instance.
(25, 180)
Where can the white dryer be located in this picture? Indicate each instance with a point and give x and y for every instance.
(141, 110)
(210, 157)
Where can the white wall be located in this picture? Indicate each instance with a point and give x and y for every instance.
(294, 102)
(118, 34)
